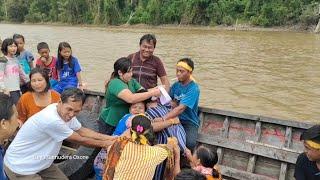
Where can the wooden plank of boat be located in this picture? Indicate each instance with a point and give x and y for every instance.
(249, 146)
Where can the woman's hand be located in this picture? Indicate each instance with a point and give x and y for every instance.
(155, 91)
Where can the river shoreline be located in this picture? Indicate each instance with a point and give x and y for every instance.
(239, 27)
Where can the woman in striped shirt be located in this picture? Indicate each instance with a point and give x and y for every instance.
(134, 157)
(165, 129)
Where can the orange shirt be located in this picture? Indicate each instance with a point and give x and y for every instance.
(27, 107)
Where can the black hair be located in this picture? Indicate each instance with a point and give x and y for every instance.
(61, 46)
(42, 45)
(190, 174)
(18, 36)
(72, 94)
(188, 61)
(208, 158)
(44, 74)
(6, 110)
(141, 120)
(7, 42)
(122, 64)
(145, 102)
(150, 38)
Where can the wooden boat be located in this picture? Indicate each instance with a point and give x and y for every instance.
(250, 147)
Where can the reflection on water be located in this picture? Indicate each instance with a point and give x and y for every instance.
(265, 73)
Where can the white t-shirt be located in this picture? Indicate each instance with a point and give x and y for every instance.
(38, 142)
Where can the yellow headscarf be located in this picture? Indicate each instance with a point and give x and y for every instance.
(187, 67)
(313, 144)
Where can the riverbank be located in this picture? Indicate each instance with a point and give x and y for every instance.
(238, 27)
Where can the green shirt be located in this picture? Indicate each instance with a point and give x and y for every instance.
(116, 108)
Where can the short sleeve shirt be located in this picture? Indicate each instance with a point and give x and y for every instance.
(116, 108)
(122, 125)
(38, 142)
(147, 72)
(51, 68)
(25, 58)
(68, 73)
(187, 95)
(306, 169)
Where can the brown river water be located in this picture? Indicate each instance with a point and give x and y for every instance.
(274, 74)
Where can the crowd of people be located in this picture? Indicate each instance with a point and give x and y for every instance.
(140, 136)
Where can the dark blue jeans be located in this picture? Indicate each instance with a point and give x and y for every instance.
(192, 134)
(105, 128)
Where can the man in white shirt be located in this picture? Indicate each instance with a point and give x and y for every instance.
(38, 142)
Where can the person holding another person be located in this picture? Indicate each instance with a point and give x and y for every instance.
(39, 95)
(37, 144)
(8, 126)
(146, 67)
(120, 93)
(185, 93)
(308, 163)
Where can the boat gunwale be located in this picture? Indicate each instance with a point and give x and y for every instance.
(284, 122)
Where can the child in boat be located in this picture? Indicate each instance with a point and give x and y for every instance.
(11, 73)
(204, 160)
(68, 67)
(25, 58)
(134, 157)
(47, 62)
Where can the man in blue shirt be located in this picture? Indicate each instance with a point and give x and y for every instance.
(8, 126)
(186, 93)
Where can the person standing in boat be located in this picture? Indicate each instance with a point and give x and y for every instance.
(186, 94)
(146, 67)
(120, 93)
(38, 142)
(25, 58)
(8, 126)
(11, 73)
(39, 95)
(308, 163)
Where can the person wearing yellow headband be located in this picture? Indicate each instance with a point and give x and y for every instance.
(308, 163)
(186, 93)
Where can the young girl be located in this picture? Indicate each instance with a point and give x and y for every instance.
(47, 62)
(25, 58)
(68, 68)
(204, 161)
(11, 74)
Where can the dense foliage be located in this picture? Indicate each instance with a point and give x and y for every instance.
(155, 12)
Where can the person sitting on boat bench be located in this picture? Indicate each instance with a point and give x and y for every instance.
(37, 144)
(186, 93)
(308, 163)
